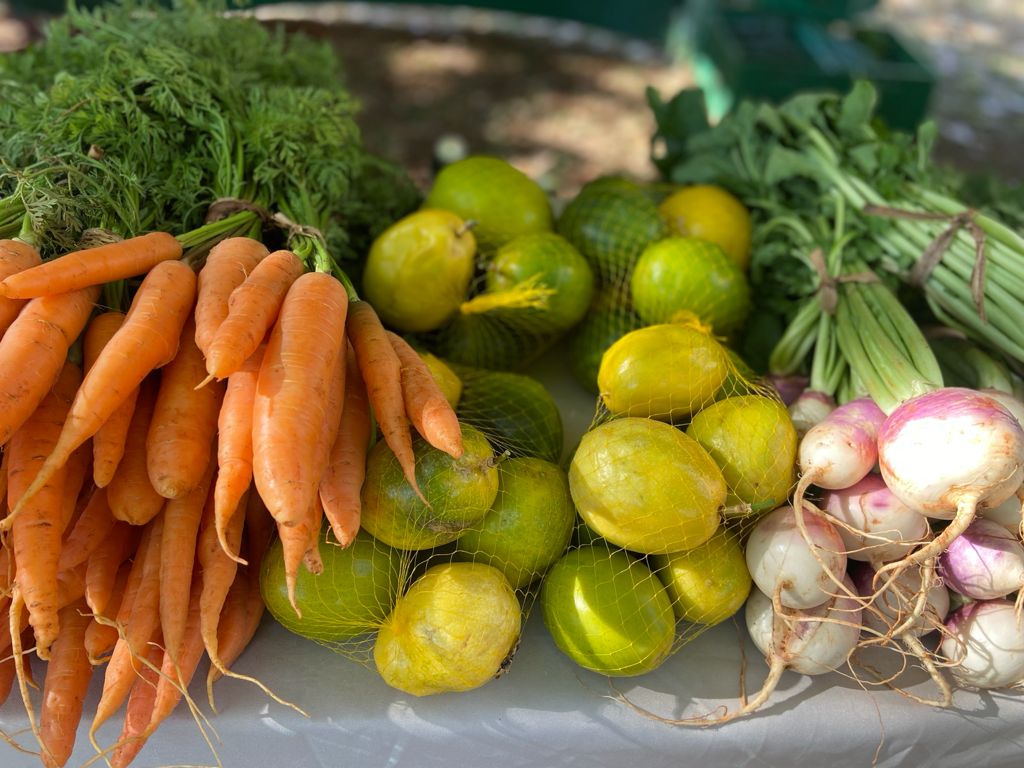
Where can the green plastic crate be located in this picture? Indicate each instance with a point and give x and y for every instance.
(820, 10)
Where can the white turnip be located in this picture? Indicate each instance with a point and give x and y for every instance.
(985, 642)
(984, 562)
(810, 408)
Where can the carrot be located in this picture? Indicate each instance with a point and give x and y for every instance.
(227, 266)
(100, 636)
(234, 446)
(93, 266)
(139, 709)
(252, 310)
(67, 680)
(148, 339)
(36, 530)
(76, 494)
(290, 409)
(102, 565)
(89, 531)
(342, 481)
(425, 403)
(382, 371)
(108, 442)
(15, 256)
(130, 493)
(33, 350)
(142, 623)
(218, 571)
(6, 677)
(231, 632)
(178, 548)
(98, 333)
(180, 439)
(70, 585)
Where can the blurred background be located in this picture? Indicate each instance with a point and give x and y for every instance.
(558, 87)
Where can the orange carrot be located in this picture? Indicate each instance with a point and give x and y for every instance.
(290, 408)
(108, 442)
(218, 571)
(141, 625)
(130, 493)
(100, 636)
(15, 256)
(139, 710)
(382, 371)
(180, 439)
(148, 339)
(33, 350)
(67, 680)
(70, 585)
(102, 565)
(227, 266)
(93, 266)
(425, 403)
(89, 531)
(234, 446)
(76, 494)
(342, 481)
(98, 333)
(180, 531)
(231, 630)
(36, 530)
(252, 310)
(6, 677)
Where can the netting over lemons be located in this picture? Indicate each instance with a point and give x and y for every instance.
(451, 631)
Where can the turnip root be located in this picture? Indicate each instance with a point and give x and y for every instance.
(1009, 514)
(810, 408)
(842, 448)
(985, 642)
(985, 562)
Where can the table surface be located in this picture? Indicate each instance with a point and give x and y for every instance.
(548, 712)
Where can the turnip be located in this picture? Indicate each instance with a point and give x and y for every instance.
(875, 526)
(802, 566)
(945, 453)
(985, 562)
(789, 387)
(1009, 514)
(810, 408)
(842, 448)
(985, 642)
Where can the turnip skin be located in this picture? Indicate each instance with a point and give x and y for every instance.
(985, 562)
(985, 642)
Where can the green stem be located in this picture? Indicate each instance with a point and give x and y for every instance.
(993, 228)
(797, 340)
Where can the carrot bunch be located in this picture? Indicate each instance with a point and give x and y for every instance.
(142, 489)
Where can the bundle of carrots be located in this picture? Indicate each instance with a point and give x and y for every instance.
(143, 487)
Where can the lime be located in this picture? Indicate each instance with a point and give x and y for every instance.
(607, 612)
(418, 270)
(351, 597)
(646, 486)
(453, 630)
(529, 526)
(459, 492)
(548, 262)
(663, 371)
(484, 341)
(446, 378)
(708, 583)
(710, 213)
(502, 201)
(683, 275)
(515, 411)
(602, 326)
(610, 222)
(754, 442)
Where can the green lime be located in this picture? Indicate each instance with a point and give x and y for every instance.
(351, 597)
(754, 442)
(712, 214)
(453, 630)
(646, 486)
(502, 201)
(459, 492)
(607, 612)
(515, 411)
(610, 222)
(684, 276)
(663, 371)
(708, 583)
(418, 270)
(485, 340)
(601, 327)
(548, 264)
(530, 524)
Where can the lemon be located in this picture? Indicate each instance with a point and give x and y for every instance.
(446, 378)
(350, 597)
(708, 583)
(710, 213)
(662, 371)
(459, 492)
(453, 630)
(682, 276)
(418, 270)
(607, 612)
(754, 442)
(646, 486)
(502, 201)
(529, 526)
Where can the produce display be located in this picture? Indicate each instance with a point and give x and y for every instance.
(252, 374)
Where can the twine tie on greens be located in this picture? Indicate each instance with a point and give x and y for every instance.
(223, 207)
(933, 254)
(828, 286)
(97, 236)
(295, 229)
